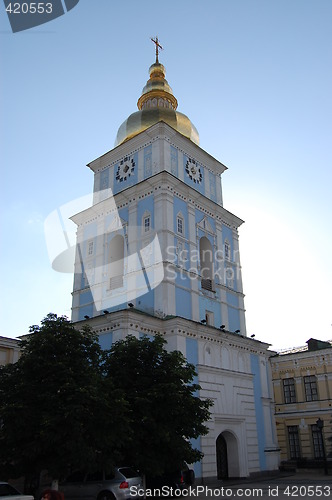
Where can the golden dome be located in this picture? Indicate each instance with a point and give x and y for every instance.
(157, 103)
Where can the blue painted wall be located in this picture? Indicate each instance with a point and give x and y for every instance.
(145, 205)
(208, 304)
(104, 179)
(183, 303)
(259, 409)
(146, 302)
(233, 319)
(174, 161)
(106, 340)
(192, 357)
(233, 311)
(213, 190)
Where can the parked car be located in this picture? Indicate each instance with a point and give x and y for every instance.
(8, 492)
(178, 479)
(113, 485)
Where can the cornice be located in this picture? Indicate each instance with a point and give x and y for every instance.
(159, 183)
(145, 323)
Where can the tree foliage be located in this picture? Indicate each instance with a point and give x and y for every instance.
(67, 404)
(165, 412)
(53, 411)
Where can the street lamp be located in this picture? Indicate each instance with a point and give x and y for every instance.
(320, 425)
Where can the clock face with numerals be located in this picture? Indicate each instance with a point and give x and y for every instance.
(193, 171)
(125, 169)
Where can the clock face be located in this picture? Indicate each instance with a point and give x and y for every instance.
(125, 169)
(193, 171)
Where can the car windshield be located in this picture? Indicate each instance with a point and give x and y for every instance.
(7, 490)
(128, 472)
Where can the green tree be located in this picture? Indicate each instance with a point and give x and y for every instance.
(53, 411)
(165, 412)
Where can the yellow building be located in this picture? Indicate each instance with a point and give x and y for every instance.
(302, 382)
(9, 350)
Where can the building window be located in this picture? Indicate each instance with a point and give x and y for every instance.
(90, 248)
(147, 224)
(179, 225)
(317, 441)
(289, 390)
(227, 250)
(206, 263)
(294, 442)
(310, 388)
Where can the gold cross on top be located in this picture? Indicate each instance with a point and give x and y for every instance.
(158, 46)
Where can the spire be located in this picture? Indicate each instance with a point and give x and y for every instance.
(157, 93)
(158, 46)
(156, 104)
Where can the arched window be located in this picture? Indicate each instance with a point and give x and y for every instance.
(116, 261)
(206, 261)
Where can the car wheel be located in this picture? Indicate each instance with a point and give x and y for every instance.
(105, 495)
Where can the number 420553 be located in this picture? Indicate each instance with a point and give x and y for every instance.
(30, 8)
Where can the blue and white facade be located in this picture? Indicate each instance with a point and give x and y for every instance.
(158, 238)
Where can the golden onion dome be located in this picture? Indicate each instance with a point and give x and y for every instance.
(157, 103)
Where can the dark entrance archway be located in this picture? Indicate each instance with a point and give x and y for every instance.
(222, 462)
(227, 454)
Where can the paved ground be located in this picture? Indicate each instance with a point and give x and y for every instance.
(299, 485)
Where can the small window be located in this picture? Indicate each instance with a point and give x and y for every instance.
(90, 248)
(227, 250)
(289, 390)
(147, 224)
(179, 225)
(310, 388)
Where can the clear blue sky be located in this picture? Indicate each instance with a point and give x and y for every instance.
(254, 76)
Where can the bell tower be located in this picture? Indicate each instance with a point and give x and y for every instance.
(157, 234)
(157, 252)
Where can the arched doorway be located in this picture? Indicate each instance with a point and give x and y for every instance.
(222, 463)
(227, 454)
